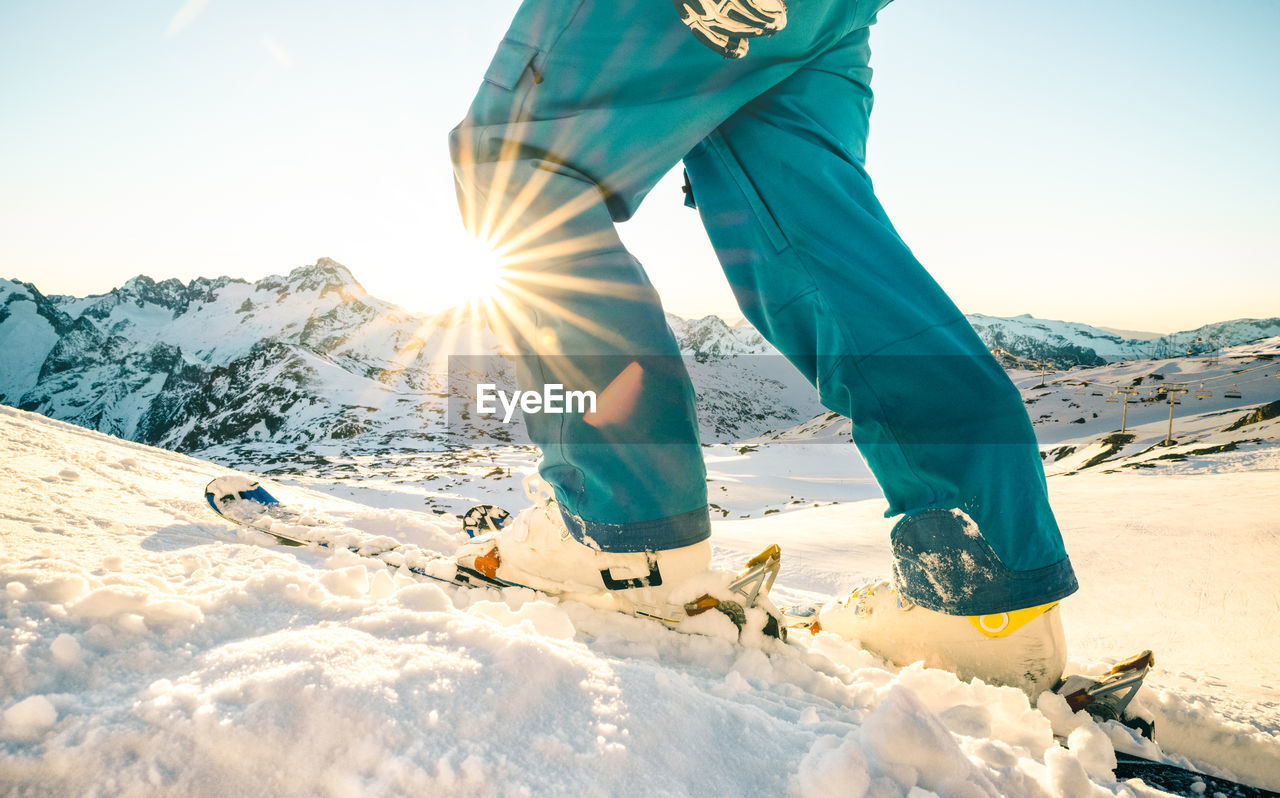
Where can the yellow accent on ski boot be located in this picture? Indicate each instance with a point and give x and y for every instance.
(1006, 623)
(1027, 649)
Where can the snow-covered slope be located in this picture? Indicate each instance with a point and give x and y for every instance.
(150, 649)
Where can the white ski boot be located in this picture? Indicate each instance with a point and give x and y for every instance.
(1023, 648)
(535, 549)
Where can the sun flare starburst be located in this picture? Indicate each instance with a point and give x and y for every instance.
(477, 274)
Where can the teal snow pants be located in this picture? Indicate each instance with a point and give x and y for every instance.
(586, 104)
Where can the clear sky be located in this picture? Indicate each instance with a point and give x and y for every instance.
(1113, 163)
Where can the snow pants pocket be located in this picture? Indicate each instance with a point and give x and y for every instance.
(510, 64)
(537, 26)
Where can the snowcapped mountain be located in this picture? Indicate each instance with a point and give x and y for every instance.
(310, 362)
(295, 358)
(186, 366)
(1065, 344)
(710, 338)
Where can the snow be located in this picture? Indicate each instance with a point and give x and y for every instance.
(29, 718)
(149, 648)
(65, 650)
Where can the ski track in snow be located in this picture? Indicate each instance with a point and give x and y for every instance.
(149, 648)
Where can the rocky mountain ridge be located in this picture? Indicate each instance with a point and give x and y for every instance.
(306, 362)
(1067, 344)
(309, 361)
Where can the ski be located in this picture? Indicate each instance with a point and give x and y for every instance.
(244, 502)
(1182, 781)
(1107, 698)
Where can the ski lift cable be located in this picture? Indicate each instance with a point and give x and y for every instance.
(1237, 373)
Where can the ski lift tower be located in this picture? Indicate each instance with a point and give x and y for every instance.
(1044, 369)
(1125, 393)
(1172, 390)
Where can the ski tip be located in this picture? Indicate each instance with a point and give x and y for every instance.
(235, 490)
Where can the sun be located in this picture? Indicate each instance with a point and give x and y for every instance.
(470, 273)
(479, 271)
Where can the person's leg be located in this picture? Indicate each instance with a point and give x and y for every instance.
(585, 106)
(820, 271)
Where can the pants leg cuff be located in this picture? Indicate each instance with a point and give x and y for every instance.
(942, 562)
(673, 532)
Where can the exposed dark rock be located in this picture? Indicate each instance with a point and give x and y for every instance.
(1113, 443)
(1265, 413)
